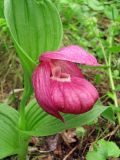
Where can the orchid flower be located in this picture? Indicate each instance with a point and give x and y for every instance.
(59, 84)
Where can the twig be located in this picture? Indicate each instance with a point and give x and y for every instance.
(16, 91)
(33, 150)
(65, 158)
(117, 39)
(102, 134)
(113, 132)
(87, 144)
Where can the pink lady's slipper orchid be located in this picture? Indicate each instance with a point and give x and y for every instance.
(59, 84)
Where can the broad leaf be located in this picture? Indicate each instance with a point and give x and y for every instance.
(104, 150)
(94, 155)
(109, 114)
(35, 27)
(95, 5)
(1, 9)
(8, 131)
(108, 148)
(40, 123)
(111, 12)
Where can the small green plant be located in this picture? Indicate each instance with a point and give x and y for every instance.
(103, 150)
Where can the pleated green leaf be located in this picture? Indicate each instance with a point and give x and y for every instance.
(35, 27)
(8, 131)
(39, 123)
(1, 9)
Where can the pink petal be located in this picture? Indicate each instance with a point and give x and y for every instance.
(77, 96)
(42, 87)
(68, 67)
(71, 53)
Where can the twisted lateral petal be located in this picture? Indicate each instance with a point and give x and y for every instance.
(42, 87)
(75, 97)
(71, 53)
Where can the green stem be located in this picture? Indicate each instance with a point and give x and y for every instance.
(22, 122)
(26, 95)
(23, 147)
(113, 88)
(108, 63)
(103, 51)
(23, 141)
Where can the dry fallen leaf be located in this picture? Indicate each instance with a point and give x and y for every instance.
(34, 140)
(49, 157)
(52, 142)
(69, 136)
